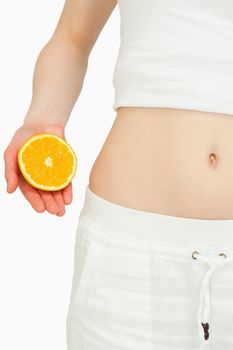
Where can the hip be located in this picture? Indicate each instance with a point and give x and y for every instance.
(155, 280)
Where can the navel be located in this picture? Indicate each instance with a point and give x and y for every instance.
(213, 159)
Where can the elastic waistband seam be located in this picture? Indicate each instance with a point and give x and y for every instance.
(113, 236)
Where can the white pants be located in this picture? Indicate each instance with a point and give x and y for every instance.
(146, 281)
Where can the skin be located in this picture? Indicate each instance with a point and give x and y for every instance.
(168, 161)
(61, 62)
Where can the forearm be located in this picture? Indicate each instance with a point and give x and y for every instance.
(57, 82)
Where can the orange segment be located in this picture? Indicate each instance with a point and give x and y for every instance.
(47, 162)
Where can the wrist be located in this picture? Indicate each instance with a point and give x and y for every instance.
(45, 114)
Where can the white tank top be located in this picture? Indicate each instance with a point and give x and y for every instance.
(175, 54)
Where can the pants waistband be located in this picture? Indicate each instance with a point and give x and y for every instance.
(158, 227)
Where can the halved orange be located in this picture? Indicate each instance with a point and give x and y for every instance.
(47, 162)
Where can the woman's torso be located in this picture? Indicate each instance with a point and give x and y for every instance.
(169, 161)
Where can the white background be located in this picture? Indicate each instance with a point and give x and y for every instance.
(36, 250)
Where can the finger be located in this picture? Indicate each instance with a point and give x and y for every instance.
(11, 169)
(67, 194)
(32, 195)
(49, 201)
(60, 202)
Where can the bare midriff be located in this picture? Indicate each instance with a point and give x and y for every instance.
(169, 161)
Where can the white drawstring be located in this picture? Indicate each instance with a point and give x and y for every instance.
(203, 315)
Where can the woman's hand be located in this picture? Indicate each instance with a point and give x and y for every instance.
(54, 201)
